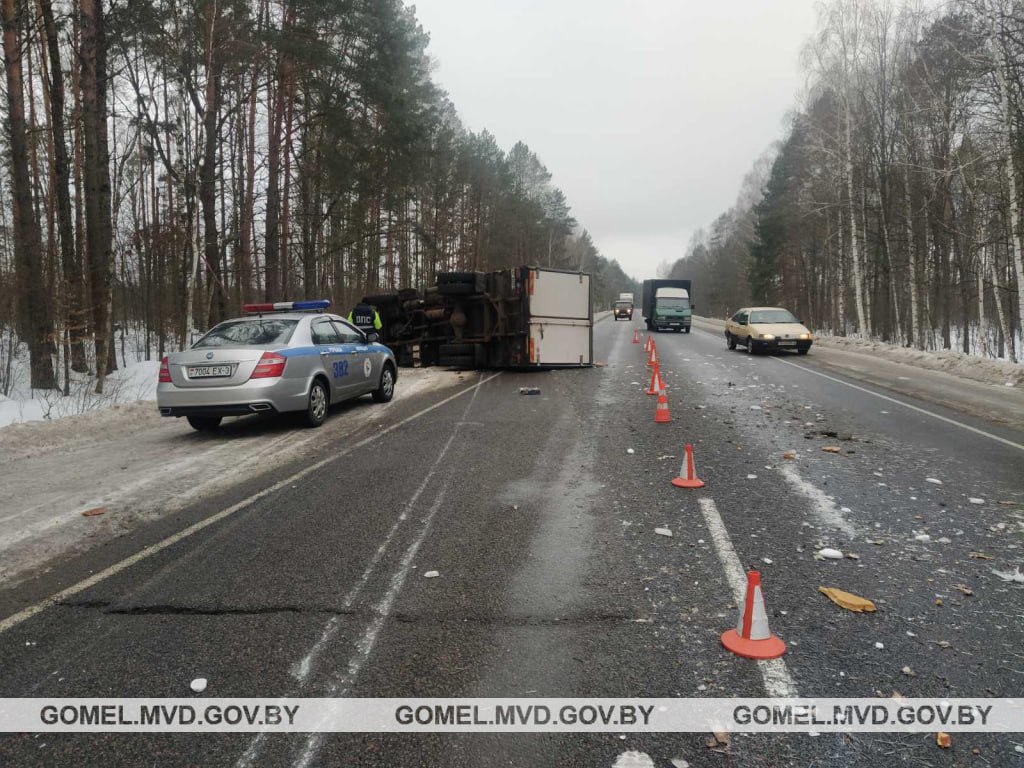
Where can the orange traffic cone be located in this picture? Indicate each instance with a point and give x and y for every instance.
(657, 385)
(636, 335)
(652, 360)
(752, 639)
(648, 341)
(661, 414)
(687, 475)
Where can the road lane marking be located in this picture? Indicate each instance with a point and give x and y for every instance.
(365, 645)
(27, 613)
(774, 672)
(382, 610)
(823, 506)
(954, 422)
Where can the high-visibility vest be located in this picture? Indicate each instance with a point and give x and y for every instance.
(365, 317)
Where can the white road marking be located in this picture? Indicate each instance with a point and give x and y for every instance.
(777, 680)
(926, 412)
(302, 669)
(64, 594)
(823, 506)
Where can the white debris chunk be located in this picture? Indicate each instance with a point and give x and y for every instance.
(431, 575)
(933, 480)
(766, 560)
(634, 759)
(630, 451)
(976, 501)
(755, 407)
(924, 538)
(663, 532)
(944, 540)
(829, 554)
(1016, 577)
(751, 477)
(198, 685)
(678, 762)
(880, 646)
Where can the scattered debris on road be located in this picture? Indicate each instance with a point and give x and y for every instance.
(832, 449)
(529, 390)
(933, 481)
(943, 740)
(431, 575)
(663, 532)
(848, 600)
(1016, 577)
(909, 672)
(94, 512)
(198, 685)
(828, 553)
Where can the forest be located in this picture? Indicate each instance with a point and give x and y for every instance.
(891, 210)
(169, 160)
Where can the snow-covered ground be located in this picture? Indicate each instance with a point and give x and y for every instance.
(125, 464)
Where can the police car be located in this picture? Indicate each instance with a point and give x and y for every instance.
(281, 357)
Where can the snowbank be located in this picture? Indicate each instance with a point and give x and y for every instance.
(985, 370)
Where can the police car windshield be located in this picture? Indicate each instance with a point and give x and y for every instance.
(249, 332)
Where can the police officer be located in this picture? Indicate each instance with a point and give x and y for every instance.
(365, 317)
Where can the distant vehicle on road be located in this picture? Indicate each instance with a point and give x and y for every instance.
(627, 297)
(666, 305)
(288, 356)
(623, 309)
(767, 329)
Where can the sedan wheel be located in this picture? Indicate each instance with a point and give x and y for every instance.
(316, 409)
(386, 390)
(750, 346)
(730, 340)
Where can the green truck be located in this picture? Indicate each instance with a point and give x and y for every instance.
(666, 305)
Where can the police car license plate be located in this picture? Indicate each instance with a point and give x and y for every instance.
(208, 371)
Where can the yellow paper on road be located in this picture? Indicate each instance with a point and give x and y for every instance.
(848, 600)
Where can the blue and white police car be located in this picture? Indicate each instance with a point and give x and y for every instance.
(280, 357)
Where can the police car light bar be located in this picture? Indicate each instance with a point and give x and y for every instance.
(287, 306)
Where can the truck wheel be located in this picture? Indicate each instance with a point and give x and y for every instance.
(686, 330)
(456, 289)
(462, 349)
(386, 390)
(316, 405)
(204, 423)
(730, 340)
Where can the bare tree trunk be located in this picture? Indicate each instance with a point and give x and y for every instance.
(208, 170)
(1004, 322)
(71, 266)
(99, 234)
(1016, 246)
(36, 325)
(858, 278)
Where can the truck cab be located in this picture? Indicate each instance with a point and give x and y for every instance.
(672, 310)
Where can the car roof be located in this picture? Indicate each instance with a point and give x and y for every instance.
(758, 309)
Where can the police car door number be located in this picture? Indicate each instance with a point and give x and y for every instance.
(341, 369)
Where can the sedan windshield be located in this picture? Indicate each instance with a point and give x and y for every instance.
(772, 316)
(250, 332)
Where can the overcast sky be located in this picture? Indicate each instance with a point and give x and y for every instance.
(648, 113)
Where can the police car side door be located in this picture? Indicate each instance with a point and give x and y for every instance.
(361, 365)
(332, 357)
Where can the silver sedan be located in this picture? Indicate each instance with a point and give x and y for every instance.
(275, 361)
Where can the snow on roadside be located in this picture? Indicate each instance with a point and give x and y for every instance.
(985, 370)
(128, 385)
(136, 466)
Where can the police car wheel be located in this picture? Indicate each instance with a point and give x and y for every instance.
(204, 423)
(386, 390)
(316, 408)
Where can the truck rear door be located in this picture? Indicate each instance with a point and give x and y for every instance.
(560, 320)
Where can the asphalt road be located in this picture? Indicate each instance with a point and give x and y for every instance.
(552, 581)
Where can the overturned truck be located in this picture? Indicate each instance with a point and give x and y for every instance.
(525, 317)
